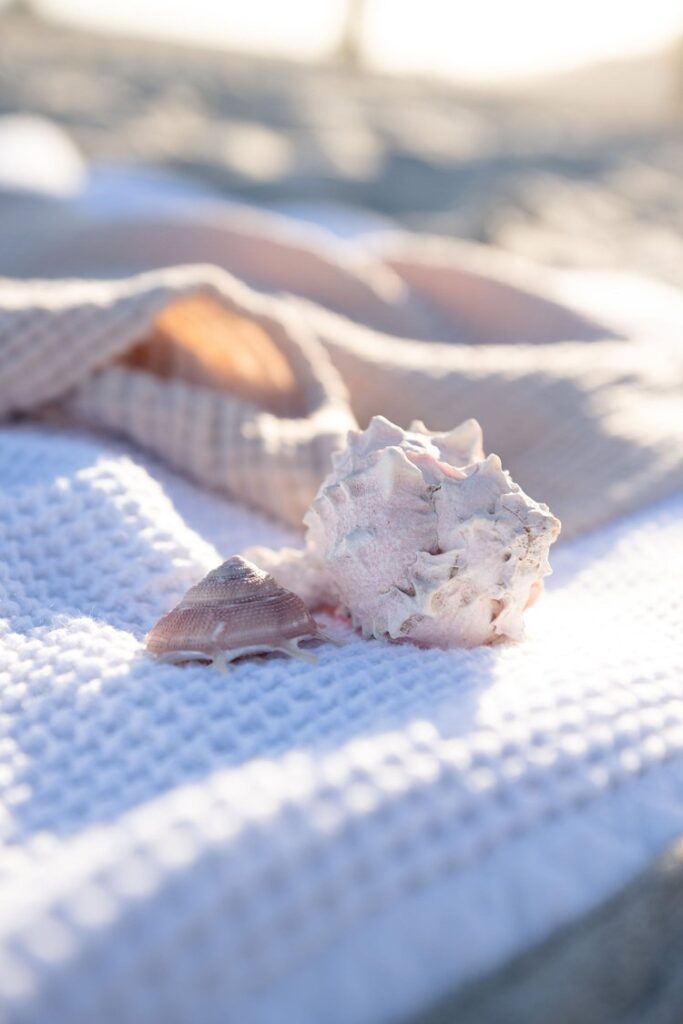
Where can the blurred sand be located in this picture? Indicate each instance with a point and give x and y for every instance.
(582, 169)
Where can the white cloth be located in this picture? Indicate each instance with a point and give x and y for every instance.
(297, 843)
(290, 843)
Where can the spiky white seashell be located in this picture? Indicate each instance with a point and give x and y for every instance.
(237, 609)
(420, 536)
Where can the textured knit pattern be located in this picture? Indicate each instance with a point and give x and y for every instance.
(58, 341)
(341, 842)
(586, 418)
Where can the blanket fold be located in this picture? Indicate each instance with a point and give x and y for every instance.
(67, 342)
(587, 418)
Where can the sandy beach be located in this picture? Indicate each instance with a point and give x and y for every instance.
(580, 169)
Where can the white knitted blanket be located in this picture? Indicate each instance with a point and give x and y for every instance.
(292, 843)
(343, 842)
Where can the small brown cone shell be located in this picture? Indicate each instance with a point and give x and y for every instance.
(235, 610)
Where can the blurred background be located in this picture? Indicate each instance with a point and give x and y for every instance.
(553, 130)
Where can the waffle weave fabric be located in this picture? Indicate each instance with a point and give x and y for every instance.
(341, 842)
(408, 327)
(60, 341)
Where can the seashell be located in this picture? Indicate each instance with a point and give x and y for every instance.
(419, 536)
(236, 610)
